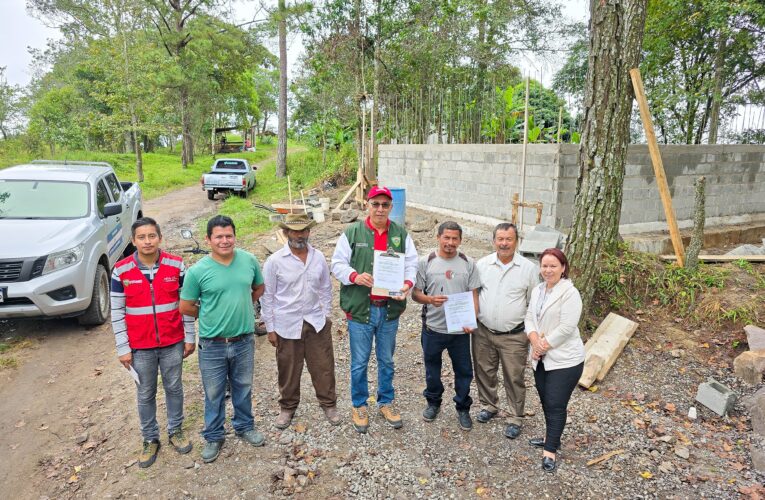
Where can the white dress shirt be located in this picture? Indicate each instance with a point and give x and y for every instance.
(295, 292)
(505, 291)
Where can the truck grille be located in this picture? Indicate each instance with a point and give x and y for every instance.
(10, 271)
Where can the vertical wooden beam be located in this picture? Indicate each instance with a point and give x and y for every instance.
(514, 217)
(658, 166)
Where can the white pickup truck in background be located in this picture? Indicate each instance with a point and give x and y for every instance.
(63, 226)
(232, 175)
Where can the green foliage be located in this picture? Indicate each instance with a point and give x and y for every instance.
(57, 118)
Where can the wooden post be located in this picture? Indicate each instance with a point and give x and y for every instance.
(658, 166)
(514, 217)
(289, 191)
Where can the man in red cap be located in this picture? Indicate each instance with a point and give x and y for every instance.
(372, 318)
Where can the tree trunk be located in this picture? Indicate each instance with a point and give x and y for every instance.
(281, 154)
(138, 155)
(699, 218)
(616, 37)
(714, 115)
(187, 146)
(265, 120)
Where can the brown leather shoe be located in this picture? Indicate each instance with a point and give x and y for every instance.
(391, 416)
(360, 419)
(331, 413)
(284, 419)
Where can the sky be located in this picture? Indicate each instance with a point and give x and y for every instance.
(20, 31)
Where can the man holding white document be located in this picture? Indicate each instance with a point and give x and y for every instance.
(447, 283)
(375, 262)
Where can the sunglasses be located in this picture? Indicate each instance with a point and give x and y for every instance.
(377, 204)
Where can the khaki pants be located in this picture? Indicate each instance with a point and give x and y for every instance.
(511, 350)
(315, 348)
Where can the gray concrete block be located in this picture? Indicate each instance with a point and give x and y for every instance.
(716, 396)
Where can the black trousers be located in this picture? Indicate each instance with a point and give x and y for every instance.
(458, 347)
(555, 388)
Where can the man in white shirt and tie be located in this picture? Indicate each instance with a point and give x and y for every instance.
(296, 306)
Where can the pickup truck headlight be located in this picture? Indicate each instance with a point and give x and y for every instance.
(62, 260)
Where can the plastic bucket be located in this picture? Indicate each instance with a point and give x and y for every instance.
(318, 215)
(398, 212)
(324, 204)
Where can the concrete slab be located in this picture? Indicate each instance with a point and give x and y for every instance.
(755, 337)
(747, 250)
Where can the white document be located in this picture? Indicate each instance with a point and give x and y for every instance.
(388, 273)
(134, 374)
(459, 310)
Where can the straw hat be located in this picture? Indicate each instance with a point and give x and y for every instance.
(297, 222)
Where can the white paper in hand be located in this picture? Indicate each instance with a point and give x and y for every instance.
(459, 310)
(134, 374)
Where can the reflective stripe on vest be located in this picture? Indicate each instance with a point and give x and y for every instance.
(159, 308)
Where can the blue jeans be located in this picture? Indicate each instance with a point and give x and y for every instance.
(221, 362)
(147, 363)
(361, 335)
(458, 347)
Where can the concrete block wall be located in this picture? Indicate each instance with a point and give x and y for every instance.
(480, 179)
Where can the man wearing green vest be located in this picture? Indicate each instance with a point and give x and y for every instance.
(372, 317)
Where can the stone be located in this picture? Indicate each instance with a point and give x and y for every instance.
(667, 438)
(757, 412)
(757, 452)
(190, 464)
(422, 225)
(755, 336)
(302, 480)
(715, 396)
(667, 467)
(682, 452)
(749, 366)
(676, 353)
(349, 216)
(692, 413)
(82, 438)
(336, 216)
(286, 437)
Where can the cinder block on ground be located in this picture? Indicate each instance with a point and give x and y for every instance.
(749, 366)
(715, 396)
(755, 337)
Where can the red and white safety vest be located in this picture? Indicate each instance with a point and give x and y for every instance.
(151, 309)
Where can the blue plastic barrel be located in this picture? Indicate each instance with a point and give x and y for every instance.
(398, 212)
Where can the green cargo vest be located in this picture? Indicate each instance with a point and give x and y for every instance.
(354, 299)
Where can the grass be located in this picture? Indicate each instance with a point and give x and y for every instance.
(162, 170)
(8, 362)
(306, 170)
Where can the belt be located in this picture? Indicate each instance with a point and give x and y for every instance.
(229, 340)
(379, 303)
(518, 329)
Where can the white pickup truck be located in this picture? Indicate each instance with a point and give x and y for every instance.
(230, 175)
(63, 226)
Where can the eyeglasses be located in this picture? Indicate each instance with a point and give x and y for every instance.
(377, 204)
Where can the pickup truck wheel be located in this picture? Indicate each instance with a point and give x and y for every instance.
(243, 193)
(210, 194)
(98, 310)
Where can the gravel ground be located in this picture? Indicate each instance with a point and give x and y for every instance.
(638, 411)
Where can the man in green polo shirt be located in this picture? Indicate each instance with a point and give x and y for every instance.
(220, 290)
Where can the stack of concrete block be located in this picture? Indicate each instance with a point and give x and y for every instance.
(750, 365)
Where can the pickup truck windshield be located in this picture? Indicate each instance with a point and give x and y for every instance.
(32, 199)
(231, 165)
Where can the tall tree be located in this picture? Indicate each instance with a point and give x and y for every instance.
(281, 153)
(616, 38)
(9, 103)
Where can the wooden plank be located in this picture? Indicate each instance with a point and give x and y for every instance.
(604, 457)
(658, 166)
(721, 258)
(603, 349)
(280, 236)
(348, 194)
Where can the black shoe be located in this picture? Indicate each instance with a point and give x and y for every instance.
(463, 417)
(430, 413)
(548, 464)
(538, 442)
(512, 431)
(485, 415)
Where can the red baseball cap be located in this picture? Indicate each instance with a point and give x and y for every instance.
(379, 190)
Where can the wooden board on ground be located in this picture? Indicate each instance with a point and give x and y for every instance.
(721, 258)
(602, 350)
(280, 236)
(286, 208)
(604, 457)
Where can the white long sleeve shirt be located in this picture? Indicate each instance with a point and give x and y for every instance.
(505, 291)
(295, 292)
(341, 261)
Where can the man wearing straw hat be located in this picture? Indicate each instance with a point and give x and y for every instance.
(295, 307)
(372, 318)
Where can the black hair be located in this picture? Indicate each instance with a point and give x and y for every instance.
(504, 226)
(144, 221)
(449, 226)
(220, 221)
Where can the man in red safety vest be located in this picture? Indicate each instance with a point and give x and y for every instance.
(150, 333)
